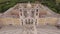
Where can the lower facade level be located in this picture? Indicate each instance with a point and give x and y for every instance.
(39, 21)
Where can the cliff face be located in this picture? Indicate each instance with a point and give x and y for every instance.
(43, 10)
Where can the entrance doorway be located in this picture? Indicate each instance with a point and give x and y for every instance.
(29, 21)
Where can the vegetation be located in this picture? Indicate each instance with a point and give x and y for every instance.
(52, 4)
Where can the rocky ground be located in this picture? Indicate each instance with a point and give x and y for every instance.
(23, 30)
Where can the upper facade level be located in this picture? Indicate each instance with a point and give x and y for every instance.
(31, 10)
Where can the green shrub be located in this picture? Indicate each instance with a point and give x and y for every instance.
(6, 4)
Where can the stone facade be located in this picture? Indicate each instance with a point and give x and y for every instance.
(29, 13)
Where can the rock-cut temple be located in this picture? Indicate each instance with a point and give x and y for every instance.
(29, 13)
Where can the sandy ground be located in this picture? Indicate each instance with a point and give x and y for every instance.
(22, 30)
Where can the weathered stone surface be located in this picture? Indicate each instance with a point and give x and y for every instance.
(21, 30)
